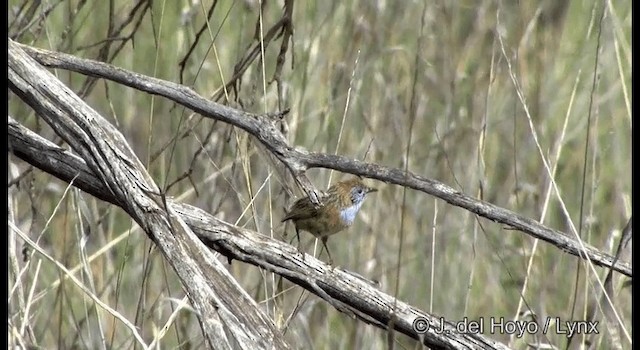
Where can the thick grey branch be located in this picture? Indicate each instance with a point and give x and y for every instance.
(265, 130)
(224, 307)
(343, 290)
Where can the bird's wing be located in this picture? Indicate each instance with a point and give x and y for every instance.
(300, 210)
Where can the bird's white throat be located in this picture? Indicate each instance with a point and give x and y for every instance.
(348, 214)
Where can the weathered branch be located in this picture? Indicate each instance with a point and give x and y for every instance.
(224, 308)
(297, 161)
(345, 291)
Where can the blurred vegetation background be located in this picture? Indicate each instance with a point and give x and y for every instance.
(476, 94)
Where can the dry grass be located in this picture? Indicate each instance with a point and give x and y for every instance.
(492, 116)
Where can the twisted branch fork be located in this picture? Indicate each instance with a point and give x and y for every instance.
(347, 292)
(110, 171)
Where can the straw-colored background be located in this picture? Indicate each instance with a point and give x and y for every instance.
(436, 73)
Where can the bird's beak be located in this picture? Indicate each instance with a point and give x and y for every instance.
(371, 189)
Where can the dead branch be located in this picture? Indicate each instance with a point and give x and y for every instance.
(298, 160)
(225, 310)
(345, 291)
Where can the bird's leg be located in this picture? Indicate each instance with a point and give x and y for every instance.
(299, 243)
(324, 243)
(298, 237)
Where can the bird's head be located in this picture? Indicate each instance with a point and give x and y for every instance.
(348, 196)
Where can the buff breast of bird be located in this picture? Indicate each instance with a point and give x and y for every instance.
(337, 212)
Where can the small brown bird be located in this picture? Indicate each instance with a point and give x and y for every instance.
(339, 210)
